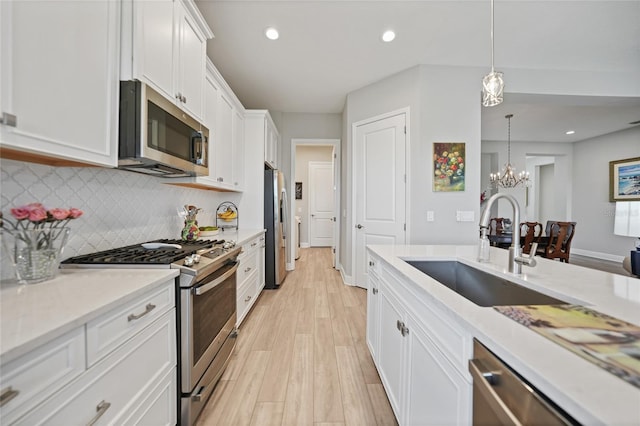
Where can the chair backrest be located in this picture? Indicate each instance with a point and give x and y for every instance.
(530, 233)
(496, 224)
(560, 237)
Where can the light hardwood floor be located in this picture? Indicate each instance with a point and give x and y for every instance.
(302, 357)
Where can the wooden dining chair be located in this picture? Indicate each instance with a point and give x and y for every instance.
(496, 225)
(530, 233)
(560, 236)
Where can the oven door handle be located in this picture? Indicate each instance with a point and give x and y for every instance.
(206, 287)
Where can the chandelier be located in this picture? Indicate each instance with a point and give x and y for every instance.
(508, 178)
(492, 83)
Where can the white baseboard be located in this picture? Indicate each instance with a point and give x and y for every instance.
(598, 255)
(305, 245)
(290, 266)
(346, 279)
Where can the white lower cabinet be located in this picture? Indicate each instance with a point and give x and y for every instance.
(250, 276)
(119, 368)
(424, 383)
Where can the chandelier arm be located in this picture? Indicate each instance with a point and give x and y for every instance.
(492, 70)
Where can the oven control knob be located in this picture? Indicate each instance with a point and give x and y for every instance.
(188, 261)
(196, 258)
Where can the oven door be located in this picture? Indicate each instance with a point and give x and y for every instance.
(208, 316)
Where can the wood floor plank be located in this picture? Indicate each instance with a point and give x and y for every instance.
(245, 391)
(327, 396)
(248, 330)
(298, 405)
(358, 329)
(267, 414)
(212, 413)
(322, 300)
(306, 312)
(358, 409)
(381, 408)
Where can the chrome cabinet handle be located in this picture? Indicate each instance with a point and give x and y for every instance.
(8, 119)
(375, 290)
(399, 325)
(371, 263)
(220, 179)
(405, 330)
(150, 307)
(254, 244)
(101, 408)
(247, 299)
(7, 394)
(247, 269)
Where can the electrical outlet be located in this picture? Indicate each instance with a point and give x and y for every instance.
(430, 215)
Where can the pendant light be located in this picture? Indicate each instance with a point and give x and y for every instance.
(492, 83)
(508, 178)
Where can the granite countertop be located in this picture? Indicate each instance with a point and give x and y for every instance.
(33, 314)
(587, 392)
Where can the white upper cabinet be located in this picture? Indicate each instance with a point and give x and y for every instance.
(271, 144)
(59, 79)
(224, 117)
(164, 45)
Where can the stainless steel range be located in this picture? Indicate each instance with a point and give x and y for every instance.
(206, 306)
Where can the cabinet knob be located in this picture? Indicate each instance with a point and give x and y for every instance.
(375, 290)
(247, 270)
(247, 299)
(371, 263)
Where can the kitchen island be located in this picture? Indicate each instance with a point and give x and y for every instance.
(588, 393)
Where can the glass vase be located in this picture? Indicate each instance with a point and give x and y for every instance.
(37, 253)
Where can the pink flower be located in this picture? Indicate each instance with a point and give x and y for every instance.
(20, 213)
(75, 213)
(59, 214)
(37, 214)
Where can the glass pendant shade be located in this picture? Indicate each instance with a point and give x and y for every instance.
(492, 89)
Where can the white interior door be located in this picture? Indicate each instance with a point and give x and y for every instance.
(321, 204)
(379, 178)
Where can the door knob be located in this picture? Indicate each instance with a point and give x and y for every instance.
(359, 226)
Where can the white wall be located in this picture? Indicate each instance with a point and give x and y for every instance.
(305, 154)
(592, 209)
(120, 207)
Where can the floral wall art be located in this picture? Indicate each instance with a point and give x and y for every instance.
(448, 166)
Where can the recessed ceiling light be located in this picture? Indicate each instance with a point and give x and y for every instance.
(570, 132)
(388, 36)
(271, 33)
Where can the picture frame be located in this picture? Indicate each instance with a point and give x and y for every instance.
(449, 161)
(624, 180)
(298, 190)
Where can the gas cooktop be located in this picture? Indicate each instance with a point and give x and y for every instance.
(137, 255)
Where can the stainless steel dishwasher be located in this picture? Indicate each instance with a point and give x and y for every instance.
(502, 397)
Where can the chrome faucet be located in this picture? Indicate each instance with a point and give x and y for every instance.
(516, 260)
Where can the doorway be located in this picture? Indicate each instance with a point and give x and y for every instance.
(315, 164)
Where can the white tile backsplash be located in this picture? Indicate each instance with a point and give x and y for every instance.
(120, 207)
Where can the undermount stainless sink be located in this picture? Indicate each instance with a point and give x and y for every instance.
(481, 288)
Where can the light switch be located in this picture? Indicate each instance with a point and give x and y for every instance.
(465, 216)
(430, 215)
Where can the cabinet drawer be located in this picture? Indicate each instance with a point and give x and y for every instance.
(107, 332)
(156, 406)
(249, 248)
(247, 294)
(40, 373)
(248, 265)
(115, 381)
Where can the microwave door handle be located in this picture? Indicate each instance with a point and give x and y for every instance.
(206, 287)
(197, 151)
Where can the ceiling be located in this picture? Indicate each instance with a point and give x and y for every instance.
(328, 48)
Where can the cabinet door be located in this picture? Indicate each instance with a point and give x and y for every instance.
(238, 150)
(224, 140)
(191, 63)
(437, 393)
(373, 314)
(59, 64)
(154, 53)
(392, 344)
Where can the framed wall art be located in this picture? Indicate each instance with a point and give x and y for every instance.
(298, 190)
(624, 180)
(448, 166)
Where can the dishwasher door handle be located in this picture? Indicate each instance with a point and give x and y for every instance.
(484, 382)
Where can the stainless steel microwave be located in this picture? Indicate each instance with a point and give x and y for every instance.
(158, 138)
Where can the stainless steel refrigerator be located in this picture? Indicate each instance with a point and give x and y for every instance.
(276, 224)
